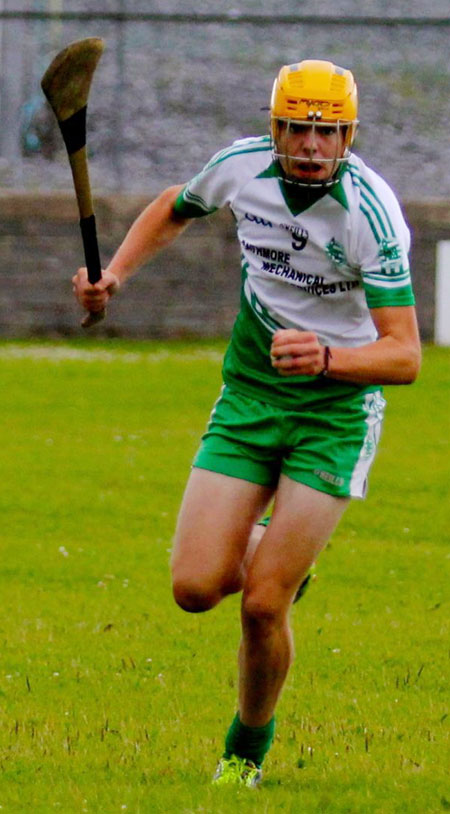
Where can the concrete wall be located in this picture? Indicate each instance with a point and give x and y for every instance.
(170, 92)
(192, 289)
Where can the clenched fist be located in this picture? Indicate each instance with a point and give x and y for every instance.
(297, 353)
(94, 296)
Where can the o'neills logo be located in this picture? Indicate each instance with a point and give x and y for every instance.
(299, 236)
(316, 103)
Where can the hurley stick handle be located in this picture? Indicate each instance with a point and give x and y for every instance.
(66, 84)
(93, 264)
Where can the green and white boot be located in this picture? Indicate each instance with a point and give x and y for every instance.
(237, 771)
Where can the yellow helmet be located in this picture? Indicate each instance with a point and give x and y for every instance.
(319, 92)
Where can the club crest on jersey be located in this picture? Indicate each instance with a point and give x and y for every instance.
(336, 252)
(391, 257)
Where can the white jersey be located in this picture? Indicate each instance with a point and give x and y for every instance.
(312, 261)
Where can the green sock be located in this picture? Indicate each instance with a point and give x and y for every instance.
(249, 742)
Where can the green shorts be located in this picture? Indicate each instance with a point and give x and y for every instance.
(331, 449)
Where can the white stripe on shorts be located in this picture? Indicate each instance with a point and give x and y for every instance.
(374, 405)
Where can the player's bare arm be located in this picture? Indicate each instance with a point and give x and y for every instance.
(394, 358)
(155, 228)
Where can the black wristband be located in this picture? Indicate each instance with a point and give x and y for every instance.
(326, 361)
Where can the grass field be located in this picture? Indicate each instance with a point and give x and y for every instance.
(114, 700)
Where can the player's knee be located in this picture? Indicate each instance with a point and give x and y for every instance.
(263, 607)
(194, 595)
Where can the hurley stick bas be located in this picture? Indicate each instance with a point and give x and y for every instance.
(66, 84)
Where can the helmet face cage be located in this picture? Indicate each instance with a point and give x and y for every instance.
(281, 125)
(313, 94)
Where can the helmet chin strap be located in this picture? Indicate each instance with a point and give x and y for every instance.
(289, 179)
(310, 183)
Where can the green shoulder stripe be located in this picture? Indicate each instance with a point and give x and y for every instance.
(257, 145)
(373, 221)
(188, 205)
(372, 207)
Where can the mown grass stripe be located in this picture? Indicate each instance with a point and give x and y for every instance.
(63, 353)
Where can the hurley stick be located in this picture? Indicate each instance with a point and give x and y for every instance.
(66, 84)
